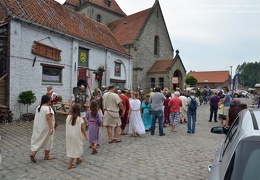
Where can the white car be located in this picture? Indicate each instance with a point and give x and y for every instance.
(238, 156)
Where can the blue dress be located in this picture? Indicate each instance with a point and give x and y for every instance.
(146, 116)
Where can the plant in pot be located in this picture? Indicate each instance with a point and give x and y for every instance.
(27, 98)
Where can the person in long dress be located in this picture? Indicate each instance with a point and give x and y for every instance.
(184, 108)
(166, 110)
(147, 113)
(75, 131)
(136, 125)
(94, 117)
(43, 131)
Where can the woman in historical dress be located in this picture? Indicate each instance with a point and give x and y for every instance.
(43, 129)
(166, 110)
(75, 132)
(94, 117)
(147, 113)
(136, 125)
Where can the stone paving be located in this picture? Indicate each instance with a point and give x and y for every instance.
(178, 155)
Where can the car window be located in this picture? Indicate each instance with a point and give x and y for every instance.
(232, 131)
(246, 164)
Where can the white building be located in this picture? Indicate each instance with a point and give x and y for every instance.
(45, 43)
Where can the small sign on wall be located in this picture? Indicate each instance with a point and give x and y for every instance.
(175, 80)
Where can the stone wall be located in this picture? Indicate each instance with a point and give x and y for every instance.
(143, 50)
(91, 11)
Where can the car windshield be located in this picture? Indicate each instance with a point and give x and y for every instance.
(247, 160)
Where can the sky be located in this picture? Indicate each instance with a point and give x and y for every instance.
(210, 35)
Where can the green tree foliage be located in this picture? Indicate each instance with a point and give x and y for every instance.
(26, 98)
(190, 80)
(248, 74)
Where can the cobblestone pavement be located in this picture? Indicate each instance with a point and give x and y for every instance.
(177, 155)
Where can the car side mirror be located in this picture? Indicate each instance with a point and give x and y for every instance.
(219, 130)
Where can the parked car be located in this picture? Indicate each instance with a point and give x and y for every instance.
(237, 93)
(238, 156)
(244, 93)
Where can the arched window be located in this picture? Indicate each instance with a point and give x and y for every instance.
(156, 45)
(98, 18)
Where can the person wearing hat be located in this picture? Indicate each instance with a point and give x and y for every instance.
(192, 103)
(112, 103)
(81, 98)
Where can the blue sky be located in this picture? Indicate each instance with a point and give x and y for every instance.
(210, 35)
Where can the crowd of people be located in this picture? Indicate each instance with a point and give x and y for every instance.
(114, 109)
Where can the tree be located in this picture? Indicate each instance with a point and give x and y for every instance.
(248, 74)
(190, 80)
(26, 98)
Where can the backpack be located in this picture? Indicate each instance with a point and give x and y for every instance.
(193, 104)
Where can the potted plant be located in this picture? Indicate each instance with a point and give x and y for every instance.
(27, 98)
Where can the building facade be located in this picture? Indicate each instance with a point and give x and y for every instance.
(41, 51)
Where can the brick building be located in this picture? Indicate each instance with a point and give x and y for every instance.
(212, 79)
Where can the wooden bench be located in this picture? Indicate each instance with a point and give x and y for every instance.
(63, 108)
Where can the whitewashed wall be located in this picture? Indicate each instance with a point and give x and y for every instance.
(24, 76)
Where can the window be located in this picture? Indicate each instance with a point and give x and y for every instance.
(51, 73)
(156, 45)
(152, 82)
(161, 82)
(46, 51)
(117, 69)
(98, 18)
(83, 57)
(108, 3)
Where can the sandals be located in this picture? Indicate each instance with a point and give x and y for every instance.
(79, 160)
(123, 133)
(117, 140)
(48, 158)
(71, 166)
(32, 156)
(94, 151)
(110, 141)
(134, 135)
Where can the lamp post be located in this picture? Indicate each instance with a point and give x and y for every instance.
(231, 88)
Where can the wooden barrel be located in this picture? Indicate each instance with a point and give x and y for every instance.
(234, 110)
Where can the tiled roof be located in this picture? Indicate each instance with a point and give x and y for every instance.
(162, 65)
(210, 76)
(51, 14)
(126, 29)
(114, 6)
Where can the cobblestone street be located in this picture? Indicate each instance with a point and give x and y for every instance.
(176, 155)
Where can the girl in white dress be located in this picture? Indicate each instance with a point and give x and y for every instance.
(75, 132)
(136, 125)
(42, 136)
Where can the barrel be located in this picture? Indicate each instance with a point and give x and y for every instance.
(234, 110)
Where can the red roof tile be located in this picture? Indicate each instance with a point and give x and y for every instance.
(51, 14)
(162, 65)
(126, 29)
(114, 6)
(210, 76)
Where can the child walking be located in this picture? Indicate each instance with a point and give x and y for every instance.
(94, 117)
(75, 132)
